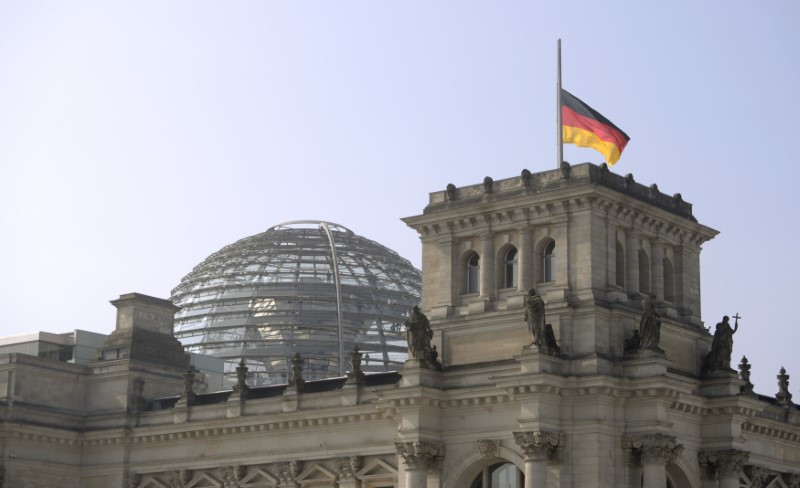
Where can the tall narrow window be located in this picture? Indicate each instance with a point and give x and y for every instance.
(620, 265)
(549, 261)
(644, 272)
(669, 285)
(510, 280)
(474, 273)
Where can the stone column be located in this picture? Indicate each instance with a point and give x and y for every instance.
(653, 451)
(632, 262)
(525, 261)
(725, 465)
(562, 264)
(538, 447)
(418, 457)
(487, 265)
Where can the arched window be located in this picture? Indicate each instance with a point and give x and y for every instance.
(644, 272)
(474, 273)
(500, 475)
(669, 285)
(620, 265)
(549, 262)
(510, 269)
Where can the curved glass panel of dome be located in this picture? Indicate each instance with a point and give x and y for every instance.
(308, 287)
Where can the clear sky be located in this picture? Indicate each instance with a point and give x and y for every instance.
(136, 138)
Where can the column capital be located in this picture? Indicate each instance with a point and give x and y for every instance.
(723, 463)
(655, 448)
(540, 445)
(347, 467)
(420, 455)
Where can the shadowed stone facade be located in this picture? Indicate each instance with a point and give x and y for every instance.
(489, 407)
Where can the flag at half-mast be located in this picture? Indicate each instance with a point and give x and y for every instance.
(585, 127)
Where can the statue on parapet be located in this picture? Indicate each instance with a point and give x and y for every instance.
(719, 357)
(541, 332)
(419, 335)
(650, 326)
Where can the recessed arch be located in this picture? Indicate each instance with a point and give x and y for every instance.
(471, 465)
(508, 268)
(470, 271)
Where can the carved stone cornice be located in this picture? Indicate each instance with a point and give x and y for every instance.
(347, 467)
(653, 448)
(420, 455)
(724, 463)
(540, 445)
(488, 448)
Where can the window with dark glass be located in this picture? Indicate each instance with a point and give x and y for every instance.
(549, 261)
(620, 265)
(500, 475)
(474, 273)
(510, 269)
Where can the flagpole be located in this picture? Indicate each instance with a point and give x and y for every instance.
(559, 128)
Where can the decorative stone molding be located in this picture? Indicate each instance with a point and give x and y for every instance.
(758, 476)
(420, 455)
(538, 445)
(347, 467)
(723, 464)
(132, 480)
(230, 476)
(178, 479)
(287, 472)
(792, 480)
(488, 447)
(654, 448)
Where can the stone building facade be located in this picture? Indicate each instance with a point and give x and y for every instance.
(490, 402)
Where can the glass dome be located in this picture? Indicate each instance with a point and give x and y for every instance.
(307, 287)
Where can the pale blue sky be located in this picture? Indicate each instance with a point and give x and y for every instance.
(136, 138)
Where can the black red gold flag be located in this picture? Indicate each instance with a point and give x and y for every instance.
(586, 127)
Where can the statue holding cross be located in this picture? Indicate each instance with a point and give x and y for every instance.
(719, 358)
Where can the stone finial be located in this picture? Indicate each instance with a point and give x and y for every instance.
(525, 177)
(450, 192)
(488, 184)
(656, 448)
(355, 375)
(744, 375)
(188, 395)
(783, 396)
(297, 371)
(488, 448)
(539, 445)
(420, 455)
(241, 388)
(566, 169)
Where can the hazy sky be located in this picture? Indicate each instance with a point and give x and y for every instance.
(136, 138)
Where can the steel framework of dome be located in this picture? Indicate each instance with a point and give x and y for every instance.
(308, 287)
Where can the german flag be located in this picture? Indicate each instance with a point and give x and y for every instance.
(585, 127)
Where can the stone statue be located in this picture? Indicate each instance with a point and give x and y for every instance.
(534, 316)
(719, 358)
(419, 335)
(650, 326)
